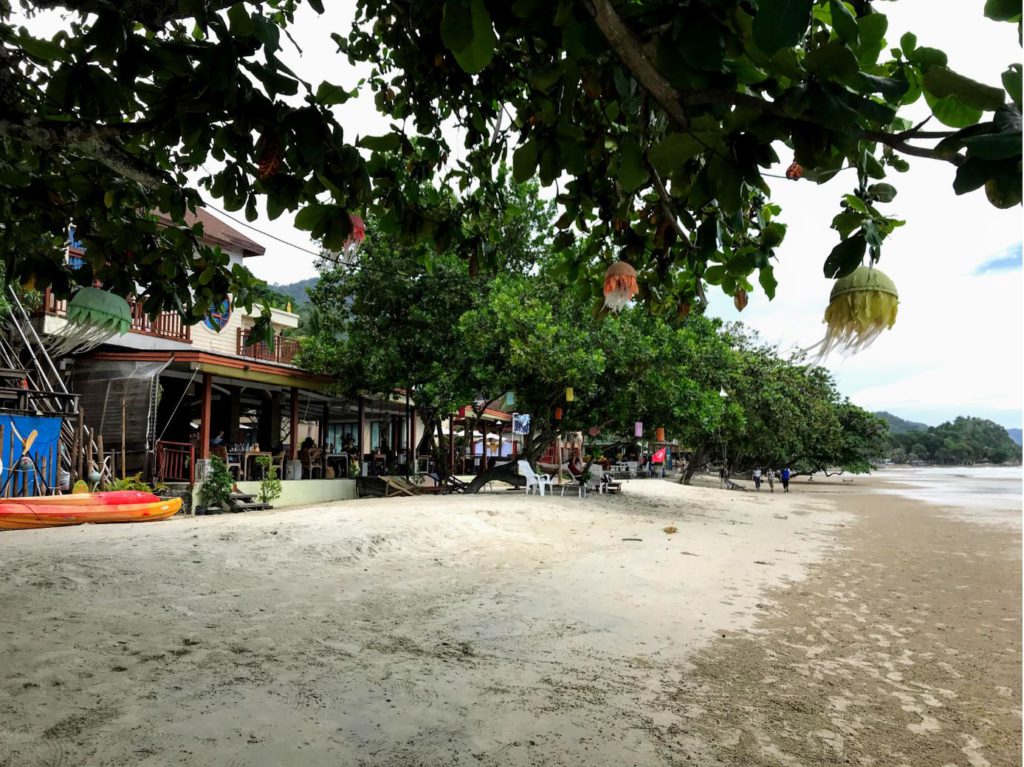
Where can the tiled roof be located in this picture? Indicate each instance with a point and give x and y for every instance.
(216, 232)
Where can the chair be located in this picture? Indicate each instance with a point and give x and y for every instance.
(312, 461)
(533, 480)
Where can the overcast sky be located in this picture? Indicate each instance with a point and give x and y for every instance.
(957, 344)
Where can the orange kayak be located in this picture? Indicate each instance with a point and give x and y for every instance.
(108, 498)
(19, 516)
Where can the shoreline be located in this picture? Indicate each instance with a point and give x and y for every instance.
(492, 629)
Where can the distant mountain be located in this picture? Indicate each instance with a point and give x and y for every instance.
(1014, 435)
(296, 291)
(898, 425)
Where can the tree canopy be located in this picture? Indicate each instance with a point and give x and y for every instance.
(961, 441)
(655, 123)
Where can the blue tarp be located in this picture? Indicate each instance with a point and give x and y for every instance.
(22, 472)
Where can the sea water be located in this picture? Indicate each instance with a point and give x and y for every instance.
(985, 494)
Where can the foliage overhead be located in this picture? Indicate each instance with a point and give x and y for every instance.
(655, 122)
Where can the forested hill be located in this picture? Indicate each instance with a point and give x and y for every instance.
(963, 441)
(1015, 435)
(295, 291)
(899, 425)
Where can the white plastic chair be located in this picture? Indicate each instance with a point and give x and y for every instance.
(533, 480)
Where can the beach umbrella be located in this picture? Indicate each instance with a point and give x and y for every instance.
(861, 306)
(619, 285)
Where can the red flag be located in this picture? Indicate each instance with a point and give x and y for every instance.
(659, 456)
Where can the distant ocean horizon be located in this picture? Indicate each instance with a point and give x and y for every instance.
(989, 494)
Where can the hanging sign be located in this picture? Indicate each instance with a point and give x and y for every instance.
(520, 423)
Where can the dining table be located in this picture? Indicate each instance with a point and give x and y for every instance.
(251, 455)
(338, 462)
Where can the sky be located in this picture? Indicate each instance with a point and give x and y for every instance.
(957, 344)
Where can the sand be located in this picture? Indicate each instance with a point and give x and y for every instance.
(501, 629)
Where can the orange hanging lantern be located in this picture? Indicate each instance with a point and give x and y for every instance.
(659, 434)
(355, 239)
(619, 285)
(558, 414)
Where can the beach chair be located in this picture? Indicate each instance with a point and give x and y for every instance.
(534, 480)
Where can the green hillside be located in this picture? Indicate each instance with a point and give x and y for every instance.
(295, 291)
(899, 425)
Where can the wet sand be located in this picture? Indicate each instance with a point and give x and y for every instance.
(820, 627)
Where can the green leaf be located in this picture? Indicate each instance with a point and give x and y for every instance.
(524, 161)
(780, 23)
(632, 170)
(47, 50)
(773, 234)
(926, 58)
(995, 146)
(872, 37)
(952, 111)
(833, 59)
(725, 183)
(768, 282)
(467, 32)
(941, 82)
(908, 42)
(328, 94)
(239, 21)
(1011, 82)
(715, 274)
(846, 256)
(1003, 10)
(389, 142)
(310, 217)
(673, 150)
(882, 192)
(316, 5)
(845, 23)
(890, 87)
(972, 175)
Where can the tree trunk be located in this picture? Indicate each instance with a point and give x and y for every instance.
(508, 472)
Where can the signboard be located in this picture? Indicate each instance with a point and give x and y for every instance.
(520, 423)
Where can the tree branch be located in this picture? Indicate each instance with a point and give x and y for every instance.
(96, 141)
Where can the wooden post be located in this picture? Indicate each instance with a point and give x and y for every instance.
(43, 488)
(412, 440)
(76, 451)
(204, 416)
(293, 450)
(324, 429)
(451, 443)
(88, 460)
(124, 442)
(361, 442)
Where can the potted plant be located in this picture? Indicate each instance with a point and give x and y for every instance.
(216, 487)
(270, 484)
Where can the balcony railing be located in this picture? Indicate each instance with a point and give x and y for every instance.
(283, 353)
(166, 325)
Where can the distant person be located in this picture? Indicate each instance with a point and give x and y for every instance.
(218, 440)
(770, 476)
(308, 443)
(721, 477)
(757, 479)
(786, 474)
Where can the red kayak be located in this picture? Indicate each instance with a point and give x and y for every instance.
(108, 498)
(20, 515)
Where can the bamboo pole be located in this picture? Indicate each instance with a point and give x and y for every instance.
(124, 455)
(99, 456)
(44, 490)
(88, 460)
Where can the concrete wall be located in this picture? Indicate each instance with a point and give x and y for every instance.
(307, 491)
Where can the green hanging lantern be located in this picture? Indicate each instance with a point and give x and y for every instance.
(861, 306)
(100, 310)
(510, 398)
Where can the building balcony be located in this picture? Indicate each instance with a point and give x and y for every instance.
(283, 353)
(167, 325)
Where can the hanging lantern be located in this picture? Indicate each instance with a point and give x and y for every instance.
(570, 395)
(638, 429)
(355, 239)
(619, 285)
(510, 398)
(659, 434)
(861, 306)
(558, 414)
(101, 310)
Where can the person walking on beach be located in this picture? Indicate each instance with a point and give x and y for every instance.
(721, 477)
(770, 476)
(757, 479)
(785, 479)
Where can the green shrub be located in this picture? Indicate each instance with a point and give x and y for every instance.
(270, 484)
(216, 487)
(134, 482)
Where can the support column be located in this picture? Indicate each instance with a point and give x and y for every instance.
(451, 444)
(412, 439)
(293, 450)
(324, 427)
(234, 415)
(204, 416)
(274, 427)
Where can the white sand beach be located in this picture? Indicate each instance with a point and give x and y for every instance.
(496, 629)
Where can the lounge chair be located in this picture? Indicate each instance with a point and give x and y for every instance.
(534, 480)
